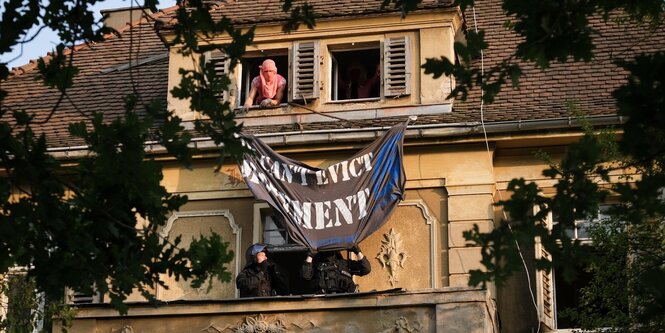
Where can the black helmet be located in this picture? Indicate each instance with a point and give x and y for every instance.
(250, 254)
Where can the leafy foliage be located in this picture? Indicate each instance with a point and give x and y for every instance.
(100, 217)
(627, 256)
(26, 308)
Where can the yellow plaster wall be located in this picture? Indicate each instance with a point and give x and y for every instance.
(468, 180)
(399, 248)
(176, 62)
(431, 35)
(435, 43)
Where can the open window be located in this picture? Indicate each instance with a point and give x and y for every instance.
(270, 229)
(250, 69)
(370, 70)
(555, 294)
(355, 71)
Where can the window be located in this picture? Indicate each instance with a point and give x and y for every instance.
(250, 69)
(368, 70)
(353, 67)
(555, 293)
(269, 228)
(356, 73)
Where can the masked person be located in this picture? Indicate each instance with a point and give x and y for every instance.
(357, 84)
(260, 277)
(330, 273)
(267, 89)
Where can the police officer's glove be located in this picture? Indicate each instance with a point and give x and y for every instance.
(355, 249)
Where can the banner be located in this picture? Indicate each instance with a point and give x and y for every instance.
(332, 208)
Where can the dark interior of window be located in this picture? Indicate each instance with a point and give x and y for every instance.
(250, 70)
(567, 295)
(355, 74)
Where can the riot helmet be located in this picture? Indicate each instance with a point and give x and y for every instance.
(252, 251)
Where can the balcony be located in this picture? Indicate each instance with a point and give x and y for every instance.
(449, 310)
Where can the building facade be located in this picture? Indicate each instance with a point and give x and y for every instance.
(458, 155)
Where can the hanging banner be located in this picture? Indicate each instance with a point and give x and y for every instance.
(332, 208)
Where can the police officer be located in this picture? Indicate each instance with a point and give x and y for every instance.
(260, 277)
(331, 273)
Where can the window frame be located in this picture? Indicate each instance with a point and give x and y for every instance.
(244, 76)
(260, 208)
(388, 46)
(544, 287)
(288, 257)
(334, 73)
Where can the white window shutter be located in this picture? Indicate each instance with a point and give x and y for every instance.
(396, 66)
(305, 71)
(545, 284)
(221, 63)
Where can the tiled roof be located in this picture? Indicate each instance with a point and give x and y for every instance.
(544, 93)
(105, 77)
(260, 11)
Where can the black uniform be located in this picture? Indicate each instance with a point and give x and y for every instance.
(330, 273)
(258, 280)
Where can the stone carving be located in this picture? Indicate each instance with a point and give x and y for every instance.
(391, 255)
(304, 324)
(213, 328)
(260, 324)
(402, 325)
(124, 329)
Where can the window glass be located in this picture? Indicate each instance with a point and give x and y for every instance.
(274, 232)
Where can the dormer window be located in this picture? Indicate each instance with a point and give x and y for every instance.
(250, 69)
(355, 71)
(368, 70)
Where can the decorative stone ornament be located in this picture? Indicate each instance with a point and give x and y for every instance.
(402, 325)
(391, 255)
(260, 324)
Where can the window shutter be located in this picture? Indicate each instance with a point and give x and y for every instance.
(545, 284)
(305, 71)
(396, 66)
(82, 298)
(221, 63)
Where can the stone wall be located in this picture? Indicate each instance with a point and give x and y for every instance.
(448, 310)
